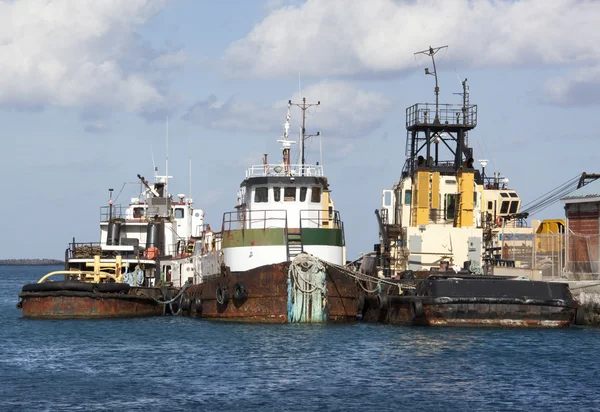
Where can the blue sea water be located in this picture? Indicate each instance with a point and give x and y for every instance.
(175, 363)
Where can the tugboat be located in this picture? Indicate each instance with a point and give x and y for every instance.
(279, 256)
(121, 275)
(438, 228)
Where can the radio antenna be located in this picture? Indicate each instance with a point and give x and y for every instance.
(431, 52)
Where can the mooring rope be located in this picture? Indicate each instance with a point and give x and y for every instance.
(307, 290)
(168, 302)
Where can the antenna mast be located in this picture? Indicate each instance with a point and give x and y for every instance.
(431, 52)
(303, 106)
(286, 142)
(167, 161)
(190, 192)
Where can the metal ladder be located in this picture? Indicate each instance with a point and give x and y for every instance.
(294, 243)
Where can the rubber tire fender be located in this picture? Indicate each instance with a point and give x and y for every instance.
(72, 285)
(197, 306)
(416, 309)
(580, 316)
(222, 295)
(382, 301)
(186, 303)
(240, 293)
(113, 287)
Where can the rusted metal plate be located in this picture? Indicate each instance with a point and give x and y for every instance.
(267, 296)
(87, 305)
(546, 308)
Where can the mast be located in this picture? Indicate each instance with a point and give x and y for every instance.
(287, 144)
(303, 106)
(431, 52)
(167, 161)
(190, 130)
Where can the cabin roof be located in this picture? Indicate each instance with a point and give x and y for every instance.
(587, 193)
(286, 180)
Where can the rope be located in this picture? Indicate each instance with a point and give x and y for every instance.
(168, 302)
(365, 277)
(586, 286)
(307, 290)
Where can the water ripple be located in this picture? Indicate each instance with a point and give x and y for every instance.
(188, 364)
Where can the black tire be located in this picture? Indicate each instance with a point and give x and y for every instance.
(383, 302)
(197, 305)
(240, 293)
(186, 303)
(580, 316)
(360, 307)
(113, 287)
(416, 309)
(72, 285)
(222, 295)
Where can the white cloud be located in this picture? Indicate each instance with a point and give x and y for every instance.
(577, 88)
(340, 37)
(345, 111)
(81, 54)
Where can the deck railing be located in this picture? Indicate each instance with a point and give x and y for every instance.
(282, 170)
(254, 219)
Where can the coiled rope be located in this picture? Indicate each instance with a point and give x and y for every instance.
(307, 290)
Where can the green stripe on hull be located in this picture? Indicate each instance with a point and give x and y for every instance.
(276, 237)
(322, 237)
(254, 237)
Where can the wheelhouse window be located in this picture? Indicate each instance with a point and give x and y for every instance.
(277, 194)
(179, 213)
(450, 206)
(315, 195)
(407, 197)
(138, 212)
(514, 206)
(504, 207)
(289, 194)
(490, 205)
(303, 191)
(261, 195)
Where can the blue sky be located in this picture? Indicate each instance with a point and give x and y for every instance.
(85, 89)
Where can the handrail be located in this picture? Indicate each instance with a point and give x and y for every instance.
(247, 221)
(78, 273)
(283, 170)
(448, 114)
(319, 219)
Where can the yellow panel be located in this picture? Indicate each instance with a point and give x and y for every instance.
(466, 181)
(421, 198)
(325, 208)
(435, 190)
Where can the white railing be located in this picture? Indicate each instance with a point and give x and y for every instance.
(281, 170)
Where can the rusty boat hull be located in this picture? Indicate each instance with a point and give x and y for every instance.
(80, 300)
(475, 301)
(266, 297)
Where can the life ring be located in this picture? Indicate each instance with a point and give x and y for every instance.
(240, 293)
(222, 295)
(151, 253)
(416, 309)
(499, 221)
